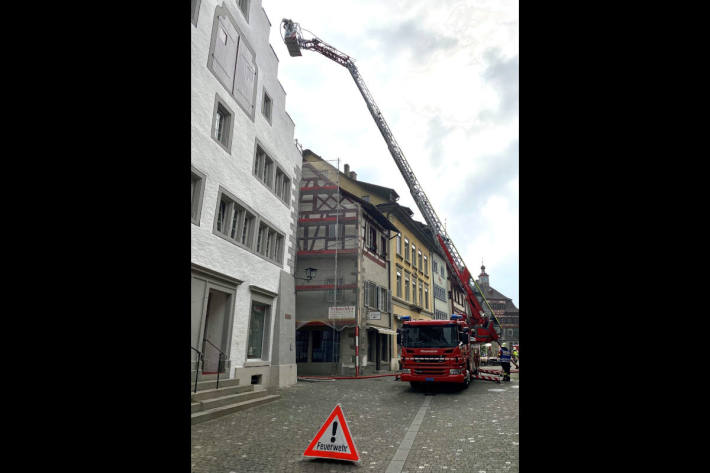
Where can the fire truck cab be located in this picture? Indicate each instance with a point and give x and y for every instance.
(435, 351)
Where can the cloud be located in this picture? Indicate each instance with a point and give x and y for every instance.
(435, 140)
(410, 37)
(494, 174)
(503, 75)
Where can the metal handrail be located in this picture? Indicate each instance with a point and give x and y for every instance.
(201, 356)
(220, 363)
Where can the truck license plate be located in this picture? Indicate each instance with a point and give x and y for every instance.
(429, 379)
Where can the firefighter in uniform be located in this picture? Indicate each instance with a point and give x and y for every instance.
(504, 358)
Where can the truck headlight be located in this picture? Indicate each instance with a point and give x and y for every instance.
(406, 371)
(454, 371)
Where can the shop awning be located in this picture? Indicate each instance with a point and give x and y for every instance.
(386, 331)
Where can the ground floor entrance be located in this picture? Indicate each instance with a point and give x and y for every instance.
(211, 312)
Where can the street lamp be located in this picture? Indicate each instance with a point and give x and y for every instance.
(310, 274)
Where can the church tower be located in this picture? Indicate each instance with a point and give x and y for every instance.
(483, 277)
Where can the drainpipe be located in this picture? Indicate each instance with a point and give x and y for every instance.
(357, 346)
(358, 292)
(393, 348)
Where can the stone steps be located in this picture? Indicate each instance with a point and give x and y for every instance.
(213, 403)
(210, 402)
(208, 391)
(210, 414)
(209, 381)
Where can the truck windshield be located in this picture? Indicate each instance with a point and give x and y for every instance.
(430, 336)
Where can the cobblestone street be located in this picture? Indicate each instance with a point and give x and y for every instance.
(474, 430)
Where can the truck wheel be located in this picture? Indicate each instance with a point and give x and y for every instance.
(466, 380)
(414, 385)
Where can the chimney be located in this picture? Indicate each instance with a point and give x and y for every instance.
(347, 170)
(353, 175)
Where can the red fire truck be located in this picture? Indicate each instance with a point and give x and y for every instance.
(437, 351)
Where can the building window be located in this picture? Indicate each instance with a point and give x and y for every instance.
(372, 239)
(421, 268)
(426, 266)
(233, 61)
(398, 244)
(269, 243)
(406, 286)
(426, 297)
(399, 284)
(234, 222)
(443, 266)
(266, 106)
(194, 11)
(197, 187)
(383, 246)
(263, 167)
(259, 324)
(414, 289)
(244, 8)
(383, 302)
(421, 289)
(282, 187)
(434, 266)
(406, 249)
(222, 124)
(370, 294)
(414, 255)
(439, 293)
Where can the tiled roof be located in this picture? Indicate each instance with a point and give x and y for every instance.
(493, 294)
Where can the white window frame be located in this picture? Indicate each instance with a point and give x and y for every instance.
(267, 106)
(198, 192)
(398, 281)
(226, 142)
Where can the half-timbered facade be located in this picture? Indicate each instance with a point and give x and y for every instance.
(343, 314)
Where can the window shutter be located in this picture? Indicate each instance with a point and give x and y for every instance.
(244, 81)
(225, 55)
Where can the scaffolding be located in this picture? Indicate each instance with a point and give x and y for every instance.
(326, 306)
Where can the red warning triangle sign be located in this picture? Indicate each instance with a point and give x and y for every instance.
(333, 440)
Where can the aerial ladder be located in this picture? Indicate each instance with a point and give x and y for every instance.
(485, 324)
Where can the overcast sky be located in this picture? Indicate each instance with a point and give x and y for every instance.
(445, 77)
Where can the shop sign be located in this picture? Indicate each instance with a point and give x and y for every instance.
(341, 312)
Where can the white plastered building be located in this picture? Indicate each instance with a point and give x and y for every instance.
(245, 169)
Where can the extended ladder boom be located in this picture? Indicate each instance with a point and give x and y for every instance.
(295, 42)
